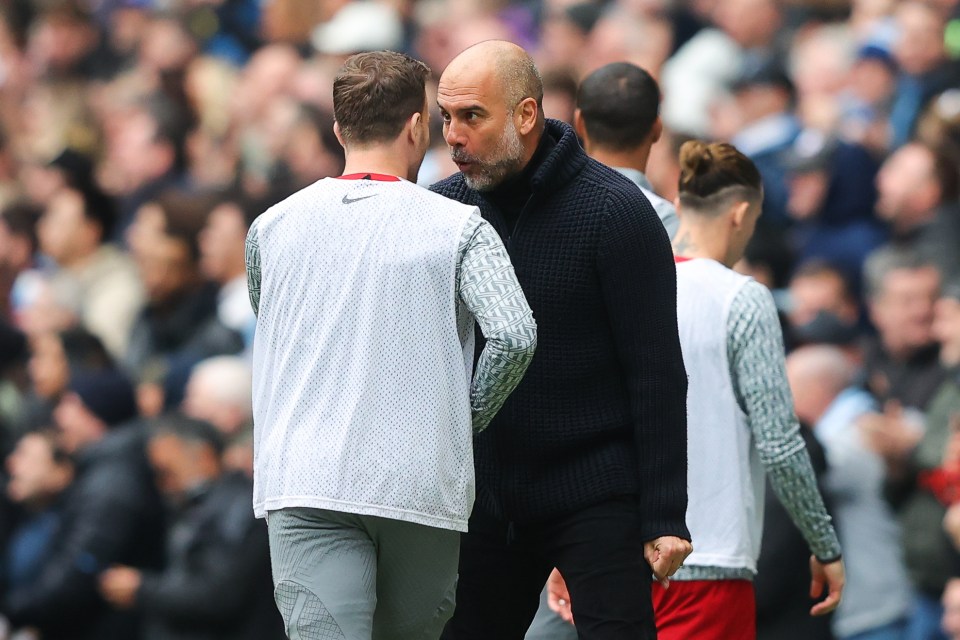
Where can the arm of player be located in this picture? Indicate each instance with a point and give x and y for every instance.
(760, 382)
(488, 287)
(252, 259)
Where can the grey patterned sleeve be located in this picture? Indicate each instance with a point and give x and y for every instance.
(755, 351)
(489, 289)
(252, 258)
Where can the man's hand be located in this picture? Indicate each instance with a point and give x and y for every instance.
(831, 575)
(890, 434)
(951, 524)
(119, 586)
(558, 598)
(665, 555)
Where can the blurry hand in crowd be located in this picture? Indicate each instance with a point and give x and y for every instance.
(951, 455)
(951, 609)
(830, 575)
(119, 586)
(951, 524)
(891, 434)
(150, 399)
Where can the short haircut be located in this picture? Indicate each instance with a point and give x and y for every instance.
(521, 80)
(84, 350)
(820, 268)
(619, 103)
(189, 430)
(888, 259)
(98, 208)
(20, 218)
(185, 213)
(375, 93)
(713, 174)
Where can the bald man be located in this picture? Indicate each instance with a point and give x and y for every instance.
(877, 598)
(584, 469)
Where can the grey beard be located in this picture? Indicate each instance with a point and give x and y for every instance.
(507, 159)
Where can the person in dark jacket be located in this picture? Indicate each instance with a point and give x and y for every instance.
(216, 584)
(111, 515)
(782, 585)
(584, 469)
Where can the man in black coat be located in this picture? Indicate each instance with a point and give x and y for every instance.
(584, 468)
(111, 514)
(216, 584)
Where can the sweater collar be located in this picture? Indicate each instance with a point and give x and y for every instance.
(562, 163)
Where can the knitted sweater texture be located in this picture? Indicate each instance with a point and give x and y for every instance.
(601, 411)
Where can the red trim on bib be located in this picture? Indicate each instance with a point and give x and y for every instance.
(382, 177)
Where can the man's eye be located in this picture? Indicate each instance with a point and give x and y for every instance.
(445, 116)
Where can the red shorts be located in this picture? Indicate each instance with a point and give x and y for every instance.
(705, 610)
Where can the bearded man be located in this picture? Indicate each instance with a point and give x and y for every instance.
(585, 467)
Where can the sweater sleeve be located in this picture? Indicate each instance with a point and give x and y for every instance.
(489, 289)
(762, 390)
(638, 280)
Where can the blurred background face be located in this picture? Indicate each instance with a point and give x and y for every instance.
(49, 369)
(903, 310)
(35, 476)
(946, 330)
(178, 466)
(147, 227)
(919, 47)
(166, 268)
(752, 23)
(809, 295)
(77, 425)
(63, 230)
(906, 185)
(222, 243)
(808, 191)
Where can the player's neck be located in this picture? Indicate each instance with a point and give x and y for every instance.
(380, 159)
(635, 158)
(701, 241)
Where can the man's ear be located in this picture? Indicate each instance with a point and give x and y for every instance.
(414, 122)
(656, 131)
(527, 112)
(740, 211)
(579, 125)
(338, 133)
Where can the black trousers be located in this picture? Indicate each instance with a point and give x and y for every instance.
(598, 550)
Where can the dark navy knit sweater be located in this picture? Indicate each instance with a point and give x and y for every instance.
(601, 411)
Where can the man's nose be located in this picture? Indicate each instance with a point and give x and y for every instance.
(453, 135)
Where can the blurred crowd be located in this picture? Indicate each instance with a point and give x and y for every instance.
(140, 138)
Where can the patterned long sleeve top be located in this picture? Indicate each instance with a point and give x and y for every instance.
(760, 383)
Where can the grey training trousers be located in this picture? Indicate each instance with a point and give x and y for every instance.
(341, 576)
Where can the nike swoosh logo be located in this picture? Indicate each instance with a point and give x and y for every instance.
(349, 200)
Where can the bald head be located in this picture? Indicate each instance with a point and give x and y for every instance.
(490, 97)
(817, 375)
(507, 66)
